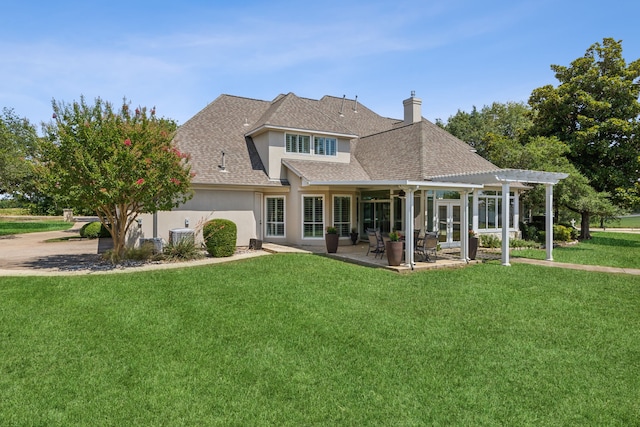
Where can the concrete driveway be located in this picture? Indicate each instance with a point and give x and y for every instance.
(33, 251)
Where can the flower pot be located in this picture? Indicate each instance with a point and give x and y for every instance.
(473, 247)
(332, 243)
(394, 252)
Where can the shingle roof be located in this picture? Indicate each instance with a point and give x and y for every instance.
(418, 152)
(292, 112)
(327, 171)
(382, 149)
(220, 127)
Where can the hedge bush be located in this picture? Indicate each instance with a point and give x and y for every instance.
(490, 241)
(93, 230)
(220, 237)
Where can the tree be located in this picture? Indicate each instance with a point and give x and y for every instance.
(508, 121)
(595, 111)
(119, 164)
(504, 135)
(18, 142)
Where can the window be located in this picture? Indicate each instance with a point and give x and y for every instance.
(275, 216)
(313, 220)
(298, 143)
(302, 144)
(490, 210)
(324, 146)
(342, 215)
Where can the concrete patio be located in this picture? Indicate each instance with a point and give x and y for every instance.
(357, 254)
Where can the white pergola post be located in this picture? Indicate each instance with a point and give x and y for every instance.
(474, 221)
(505, 224)
(549, 220)
(408, 228)
(464, 231)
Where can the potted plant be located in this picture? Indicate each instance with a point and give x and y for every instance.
(331, 240)
(394, 249)
(473, 244)
(354, 235)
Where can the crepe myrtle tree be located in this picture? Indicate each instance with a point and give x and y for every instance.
(119, 163)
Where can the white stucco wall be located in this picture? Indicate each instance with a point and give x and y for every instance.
(235, 205)
(271, 148)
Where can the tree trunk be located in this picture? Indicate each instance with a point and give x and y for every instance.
(585, 234)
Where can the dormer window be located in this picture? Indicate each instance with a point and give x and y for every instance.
(322, 146)
(298, 144)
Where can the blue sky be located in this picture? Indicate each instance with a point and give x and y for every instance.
(181, 55)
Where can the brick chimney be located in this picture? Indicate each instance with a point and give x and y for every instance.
(412, 109)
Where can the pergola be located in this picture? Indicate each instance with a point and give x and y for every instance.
(466, 183)
(506, 177)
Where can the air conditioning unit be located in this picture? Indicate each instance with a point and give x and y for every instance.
(155, 241)
(179, 234)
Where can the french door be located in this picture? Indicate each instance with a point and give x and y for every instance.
(449, 222)
(376, 215)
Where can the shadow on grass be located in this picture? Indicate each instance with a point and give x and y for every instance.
(609, 240)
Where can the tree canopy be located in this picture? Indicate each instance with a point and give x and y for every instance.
(18, 143)
(118, 163)
(595, 110)
(479, 128)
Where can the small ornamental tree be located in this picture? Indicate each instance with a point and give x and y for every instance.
(118, 163)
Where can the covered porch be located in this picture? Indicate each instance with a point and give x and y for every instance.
(407, 192)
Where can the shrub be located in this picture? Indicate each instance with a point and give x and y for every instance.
(574, 231)
(142, 253)
(520, 243)
(561, 233)
(93, 230)
(489, 241)
(220, 237)
(183, 249)
(529, 231)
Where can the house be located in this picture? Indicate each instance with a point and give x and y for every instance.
(284, 170)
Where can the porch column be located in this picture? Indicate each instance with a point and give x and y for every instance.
(505, 224)
(516, 211)
(549, 220)
(475, 222)
(464, 229)
(408, 228)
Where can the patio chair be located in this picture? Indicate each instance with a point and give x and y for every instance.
(427, 247)
(376, 244)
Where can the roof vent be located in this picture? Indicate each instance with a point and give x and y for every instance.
(355, 107)
(223, 166)
(342, 106)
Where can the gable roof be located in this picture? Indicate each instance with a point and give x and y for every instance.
(293, 113)
(419, 151)
(381, 148)
(220, 127)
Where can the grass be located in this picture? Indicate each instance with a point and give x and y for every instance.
(608, 249)
(624, 222)
(13, 211)
(8, 227)
(305, 340)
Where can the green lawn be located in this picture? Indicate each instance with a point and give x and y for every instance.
(625, 222)
(31, 226)
(605, 248)
(305, 340)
